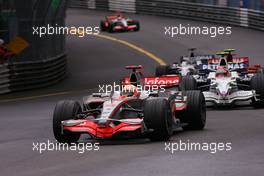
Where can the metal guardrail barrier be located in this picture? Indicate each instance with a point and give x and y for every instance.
(172, 8)
(83, 4)
(43, 62)
(20, 76)
(123, 5)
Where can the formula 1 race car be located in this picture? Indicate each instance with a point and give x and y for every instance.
(118, 23)
(226, 86)
(129, 113)
(202, 65)
(226, 59)
(188, 65)
(232, 62)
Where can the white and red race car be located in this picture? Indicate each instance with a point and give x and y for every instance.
(119, 23)
(227, 88)
(226, 85)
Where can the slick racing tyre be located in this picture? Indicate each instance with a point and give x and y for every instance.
(111, 27)
(102, 25)
(158, 117)
(65, 110)
(260, 70)
(188, 83)
(162, 70)
(195, 114)
(138, 26)
(257, 84)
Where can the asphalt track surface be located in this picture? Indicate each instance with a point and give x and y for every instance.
(94, 60)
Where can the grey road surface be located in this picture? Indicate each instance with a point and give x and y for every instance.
(93, 61)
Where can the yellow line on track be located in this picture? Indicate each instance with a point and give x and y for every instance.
(141, 50)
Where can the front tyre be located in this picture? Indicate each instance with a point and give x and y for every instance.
(189, 83)
(260, 71)
(158, 117)
(195, 114)
(138, 26)
(112, 27)
(65, 110)
(102, 26)
(257, 84)
(162, 70)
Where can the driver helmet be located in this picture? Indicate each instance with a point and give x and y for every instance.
(129, 91)
(119, 16)
(222, 72)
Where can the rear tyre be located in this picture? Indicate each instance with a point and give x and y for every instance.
(138, 26)
(257, 84)
(261, 71)
(65, 110)
(102, 25)
(111, 28)
(195, 114)
(189, 83)
(162, 70)
(158, 116)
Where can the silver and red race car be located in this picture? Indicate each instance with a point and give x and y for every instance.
(119, 23)
(130, 112)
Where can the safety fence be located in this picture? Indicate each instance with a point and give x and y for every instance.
(28, 75)
(43, 62)
(221, 14)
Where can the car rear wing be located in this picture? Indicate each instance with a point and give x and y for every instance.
(237, 63)
(163, 81)
(134, 67)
